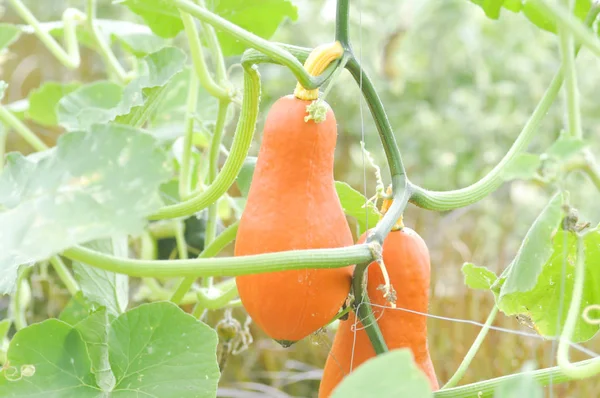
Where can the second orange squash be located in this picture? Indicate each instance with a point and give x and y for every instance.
(407, 262)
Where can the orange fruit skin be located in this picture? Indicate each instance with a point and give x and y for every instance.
(407, 262)
(292, 204)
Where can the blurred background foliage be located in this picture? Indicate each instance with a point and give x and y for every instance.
(458, 88)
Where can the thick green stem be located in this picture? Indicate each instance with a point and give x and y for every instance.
(17, 306)
(182, 248)
(213, 169)
(29, 136)
(484, 389)
(562, 357)
(363, 310)
(464, 365)
(239, 150)
(567, 53)
(342, 25)
(225, 266)
(215, 49)
(186, 156)
(103, 48)
(251, 40)
(69, 58)
(198, 59)
(211, 250)
(567, 21)
(65, 276)
(449, 200)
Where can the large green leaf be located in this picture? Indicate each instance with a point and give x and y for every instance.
(94, 331)
(158, 350)
(530, 10)
(393, 374)
(353, 203)
(106, 288)
(546, 302)
(102, 102)
(154, 350)
(261, 17)
(535, 251)
(94, 184)
(43, 102)
(8, 35)
(160, 15)
(48, 359)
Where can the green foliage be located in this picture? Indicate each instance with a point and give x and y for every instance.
(531, 10)
(478, 277)
(8, 35)
(93, 184)
(154, 349)
(524, 167)
(355, 205)
(43, 101)
(393, 374)
(105, 102)
(105, 288)
(257, 16)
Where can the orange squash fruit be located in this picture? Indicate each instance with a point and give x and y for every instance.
(292, 204)
(406, 258)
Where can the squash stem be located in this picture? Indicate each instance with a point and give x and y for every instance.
(450, 200)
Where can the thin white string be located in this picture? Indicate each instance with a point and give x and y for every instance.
(496, 328)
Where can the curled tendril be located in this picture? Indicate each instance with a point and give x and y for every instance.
(588, 318)
(11, 373)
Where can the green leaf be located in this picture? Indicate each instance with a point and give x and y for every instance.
(94, 331)
(8, 35)
(89, 104)
(477, 277)
(140, 44)
(44, 99)
(565, 147)
(244, 178)
(56, 355)
(160, 15)
(530, 10)
(523, 167)
(543, 302)
(535, 250)
(353, 204)
(159, 350)
(103, 287)
(102, 102)
(77, 309)
(94, 184)
(173, 107)
(154, 350)
(4, 328)
(490, 7)
(524, 385)
(261, 17)
(393, 374)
